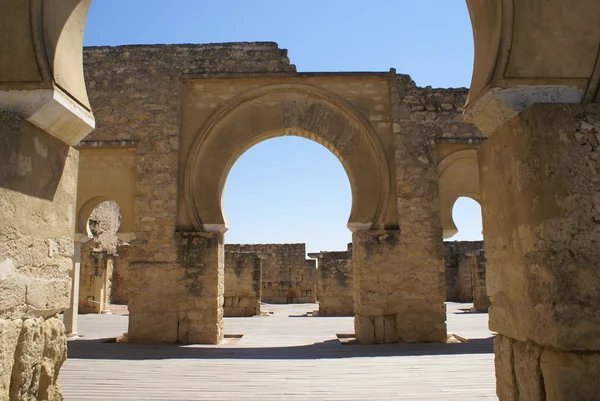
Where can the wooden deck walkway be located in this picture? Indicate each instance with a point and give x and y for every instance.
(280, 357)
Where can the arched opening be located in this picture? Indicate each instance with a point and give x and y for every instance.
(283, 198)
(466, 214)
(103, 259)
(465, 258)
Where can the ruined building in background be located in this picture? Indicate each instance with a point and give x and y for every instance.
(286, 275)
(466, 273)
(172, 119)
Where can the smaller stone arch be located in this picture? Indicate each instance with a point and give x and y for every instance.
(106, 173)
(458, 175)
(281, 110)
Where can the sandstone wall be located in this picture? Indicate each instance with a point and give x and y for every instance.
(541, 208)
(335, 283)
(120, 277)
(38, 175)
(159, 97)
(242, 284)
(481, 300)
(135, 92)
(287, 277)
(459, 287)
(387, 292)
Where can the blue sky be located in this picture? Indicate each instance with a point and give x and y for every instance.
(291, 189)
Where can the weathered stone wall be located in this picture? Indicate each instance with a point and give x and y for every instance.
(38, 176)
(172, 91)
(459, 287)
(541, 208)
(335, 283)
(287, 277)
(242, 284)
(481, 300)
(120, 277)
(97, 259)
(135, 92)
(385, 297)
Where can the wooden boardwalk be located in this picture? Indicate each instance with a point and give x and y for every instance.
(280, 357)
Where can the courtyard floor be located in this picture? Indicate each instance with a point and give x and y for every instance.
(284, 356)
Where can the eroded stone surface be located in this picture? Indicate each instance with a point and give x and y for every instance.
(336, 286)
(541, 181)
(242, 284)
(396, 297)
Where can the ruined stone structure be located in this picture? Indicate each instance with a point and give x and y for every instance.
(335, 284)
(539, 191)
(459, 286)
(286, 275)
(97, 259)
(189, 111)
(188, 127)
(242, 284)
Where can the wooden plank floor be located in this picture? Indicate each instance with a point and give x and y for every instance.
(281, 357)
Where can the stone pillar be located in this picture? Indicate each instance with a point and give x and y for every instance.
(396, 297)
(481, 301)
(105, 293)
(200, 307)
(71, 314)
(541, 218)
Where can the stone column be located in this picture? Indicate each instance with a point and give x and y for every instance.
(70, 315)
(200, 307)
(105, 294)
(541, 218)
(396, 297)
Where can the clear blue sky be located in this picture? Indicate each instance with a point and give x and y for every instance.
(291, 189)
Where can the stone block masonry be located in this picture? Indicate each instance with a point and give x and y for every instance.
(136, 95)
(459, 286)
(182, 98)
(335, 283)
(287, 277)
(38, 187)
(392, 302)
(541, 208)
(242, 284)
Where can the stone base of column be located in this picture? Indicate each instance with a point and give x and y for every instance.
(398, 295)
(200, 309)
(528, 371)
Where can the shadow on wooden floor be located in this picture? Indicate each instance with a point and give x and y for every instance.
(330, 349)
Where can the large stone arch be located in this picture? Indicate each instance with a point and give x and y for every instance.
(106, 173)
(278, 110)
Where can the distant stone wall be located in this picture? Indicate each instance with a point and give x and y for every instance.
(459, 286)
(242, 284)
(286, 275)
(335, 291)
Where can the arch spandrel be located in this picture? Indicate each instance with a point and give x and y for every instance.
(458, 175)
(282, 110)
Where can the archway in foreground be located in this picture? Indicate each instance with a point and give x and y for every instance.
(288, 195)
